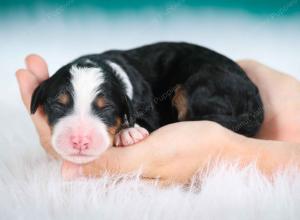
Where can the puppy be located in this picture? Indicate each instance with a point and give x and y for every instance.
(119, 96)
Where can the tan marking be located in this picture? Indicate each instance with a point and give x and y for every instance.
(179, 100)
(114, 129)
(100, 102)
(63, 98)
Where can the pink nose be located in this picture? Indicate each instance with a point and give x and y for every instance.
(80, 143)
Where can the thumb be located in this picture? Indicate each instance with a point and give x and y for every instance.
(27, 83)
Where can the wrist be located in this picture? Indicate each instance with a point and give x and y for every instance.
(268, 156)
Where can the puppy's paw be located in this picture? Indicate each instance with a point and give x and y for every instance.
(129, 136)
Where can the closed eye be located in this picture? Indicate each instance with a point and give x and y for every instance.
(101, 103)
(57, 106)
(106, 107)
(63, 99)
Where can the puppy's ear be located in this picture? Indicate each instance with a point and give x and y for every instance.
(38, 97)
(129, 111)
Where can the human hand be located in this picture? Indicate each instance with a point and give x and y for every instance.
(281, 99)
(28, 79)
(159, 154)
(173, 153)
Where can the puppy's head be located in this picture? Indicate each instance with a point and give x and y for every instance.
(86, 104)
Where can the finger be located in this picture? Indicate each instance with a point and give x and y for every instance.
(38, 66)
(27, 83)
(257, 71)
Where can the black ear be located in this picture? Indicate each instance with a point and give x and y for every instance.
(129, 111)
(38, 97)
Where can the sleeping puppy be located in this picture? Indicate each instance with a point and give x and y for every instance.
(119, 96)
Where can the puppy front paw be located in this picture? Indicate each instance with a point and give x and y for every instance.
(129, 136)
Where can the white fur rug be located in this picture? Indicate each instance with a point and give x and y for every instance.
(30, 184)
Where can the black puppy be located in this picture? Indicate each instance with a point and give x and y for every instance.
(120, 95)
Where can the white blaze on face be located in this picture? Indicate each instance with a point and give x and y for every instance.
(81, 136)
(85, 83)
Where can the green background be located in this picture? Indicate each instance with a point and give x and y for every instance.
(257, 7)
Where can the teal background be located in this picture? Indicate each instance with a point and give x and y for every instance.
(257, 7)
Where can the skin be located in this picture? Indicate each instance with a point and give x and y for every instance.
(174, 153)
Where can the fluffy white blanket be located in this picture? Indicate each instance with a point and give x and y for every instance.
(30, 184)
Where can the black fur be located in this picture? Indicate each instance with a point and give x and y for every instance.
(217, 88)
